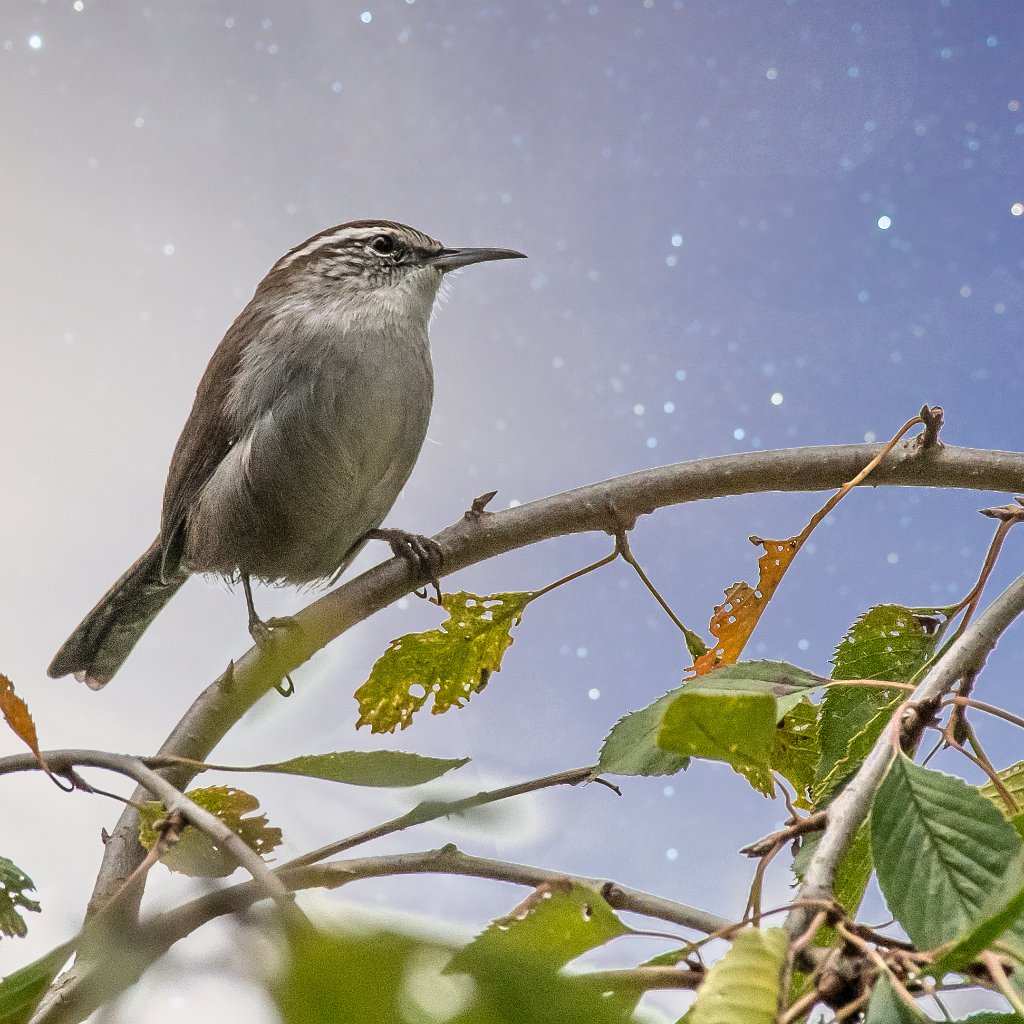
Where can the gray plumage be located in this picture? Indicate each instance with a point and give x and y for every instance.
(306, 425)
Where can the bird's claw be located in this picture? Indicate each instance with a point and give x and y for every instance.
(423, 553)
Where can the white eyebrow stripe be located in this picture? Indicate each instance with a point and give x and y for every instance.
(348, 235)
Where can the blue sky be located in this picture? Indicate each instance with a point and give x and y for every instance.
(750, 225)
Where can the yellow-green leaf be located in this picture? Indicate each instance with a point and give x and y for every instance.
(744, 986)
(449, 664)
(556, 923)
(196, 854)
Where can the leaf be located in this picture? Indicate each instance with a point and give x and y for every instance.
(888, 642)
(731, 714)
(196, 854)
(773, 678)
(378, 768)
(21, 990)
(631, 748)
(1013, 779)
(886, 1007)
(942, 852)
(386, 976)
(450, 663)
(14, 883)
(556, 923)
(16, 715)
(990, 1017)
(743, 987)
(794, 755)
(736, 617)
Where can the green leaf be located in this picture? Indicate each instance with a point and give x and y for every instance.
(888, 642)
(631, 748)
(14, 883)
(744, 986)
(794, 755)
(990, 1017)
(556, 923)
(21, 991)
(772, 678)
(450, 663)
(195, 853)
(380, 768)
(386, 976)
(886, 1007)
(1012, 779)
(942, 852)
(731, 714)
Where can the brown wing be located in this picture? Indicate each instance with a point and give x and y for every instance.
(205, 439)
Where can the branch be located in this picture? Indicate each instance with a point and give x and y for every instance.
(102, 978)
(606, 507)
(849, 810)
(62, 763)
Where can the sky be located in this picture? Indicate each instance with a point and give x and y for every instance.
(750, 225)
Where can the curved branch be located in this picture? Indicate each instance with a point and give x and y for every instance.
(607, 506)
(965, 656)
(100, 979)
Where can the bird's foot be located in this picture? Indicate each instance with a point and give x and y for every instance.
(424, 553)
(262, 633)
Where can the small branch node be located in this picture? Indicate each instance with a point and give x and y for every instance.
(932, 418)
(478, 508)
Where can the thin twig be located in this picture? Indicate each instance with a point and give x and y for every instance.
(623, 549)
(575, 575)
(989, 770)
(989, 709)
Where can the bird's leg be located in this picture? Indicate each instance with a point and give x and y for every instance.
(262, 633)
(424, 553)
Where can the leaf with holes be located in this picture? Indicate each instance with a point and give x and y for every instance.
(744, 987)
(736, 617)
(888, 642)
(450, 663)
(556, 923)
(944, 855)
(195, 853)
(14, 883)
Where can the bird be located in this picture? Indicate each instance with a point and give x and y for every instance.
(305, 427)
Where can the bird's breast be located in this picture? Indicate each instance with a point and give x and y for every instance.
(328, 433)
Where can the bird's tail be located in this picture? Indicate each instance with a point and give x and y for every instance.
(105, 637)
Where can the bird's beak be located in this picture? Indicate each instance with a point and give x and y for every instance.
(453, 259)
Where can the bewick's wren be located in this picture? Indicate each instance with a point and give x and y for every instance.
(305, 427)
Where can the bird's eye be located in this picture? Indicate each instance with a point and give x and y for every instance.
(384, 244)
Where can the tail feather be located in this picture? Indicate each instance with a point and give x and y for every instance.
(105, 637)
